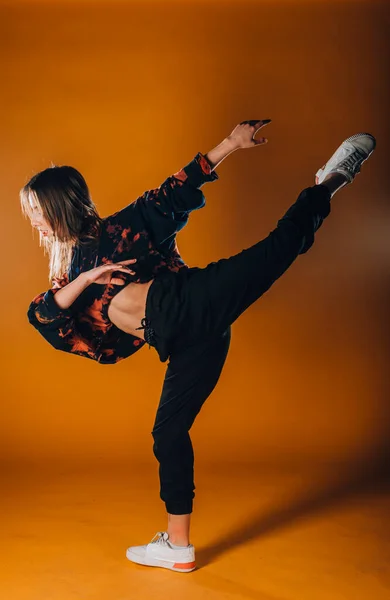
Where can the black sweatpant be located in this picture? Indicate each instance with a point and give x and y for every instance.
(188, 316)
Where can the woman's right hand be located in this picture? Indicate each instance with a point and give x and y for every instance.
(103, 273)
(242, 134)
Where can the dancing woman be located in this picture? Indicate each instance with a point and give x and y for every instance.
(119, 282)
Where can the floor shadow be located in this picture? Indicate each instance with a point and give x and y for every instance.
(372, 476)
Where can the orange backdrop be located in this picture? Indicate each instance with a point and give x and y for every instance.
(128, 93)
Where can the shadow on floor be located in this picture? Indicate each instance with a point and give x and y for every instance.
(371, 476)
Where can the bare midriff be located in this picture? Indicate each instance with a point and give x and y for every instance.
(128, 307)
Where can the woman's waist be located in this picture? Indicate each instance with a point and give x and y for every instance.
(127, 308)
(131, 298)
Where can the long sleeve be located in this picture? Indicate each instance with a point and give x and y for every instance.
(44, 310)
(165, 210)
(56, 325)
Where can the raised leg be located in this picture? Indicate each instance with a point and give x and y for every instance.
(212, 298)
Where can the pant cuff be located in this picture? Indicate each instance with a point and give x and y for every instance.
(179, 508)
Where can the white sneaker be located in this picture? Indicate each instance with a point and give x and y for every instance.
(159, 553)
(348, 157)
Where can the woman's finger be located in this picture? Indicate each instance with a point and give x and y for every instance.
(251, 122)
(260, 141)
(125, 269)
(120, 262)
(115, 266)
(261, 124)
(256, 123)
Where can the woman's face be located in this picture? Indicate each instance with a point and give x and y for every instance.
(37, 219)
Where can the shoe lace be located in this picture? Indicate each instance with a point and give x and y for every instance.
(354, 161)
(158, 538)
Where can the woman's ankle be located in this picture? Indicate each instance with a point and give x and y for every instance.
(176, 541)
(179, 529)
(334, 182)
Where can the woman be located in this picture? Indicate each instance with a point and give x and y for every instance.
(119, 282)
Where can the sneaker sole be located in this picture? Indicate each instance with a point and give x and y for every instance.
(353, 137)
(154, 562)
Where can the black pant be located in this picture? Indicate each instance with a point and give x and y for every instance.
(188, 316)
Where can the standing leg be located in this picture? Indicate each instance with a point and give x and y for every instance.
(192, 374)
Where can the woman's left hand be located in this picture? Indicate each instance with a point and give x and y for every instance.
(242, 134)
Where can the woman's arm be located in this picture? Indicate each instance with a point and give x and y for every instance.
(220, 152)
(102, 274)
(164, 211)
(51, 314)
(65, 296)
(58, 324)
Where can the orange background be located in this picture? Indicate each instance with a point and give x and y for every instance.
(128, 93)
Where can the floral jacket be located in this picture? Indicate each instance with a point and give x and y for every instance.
(146, 230)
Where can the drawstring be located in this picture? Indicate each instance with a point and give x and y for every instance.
(149, 332)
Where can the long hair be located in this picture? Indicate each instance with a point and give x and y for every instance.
(62, 194)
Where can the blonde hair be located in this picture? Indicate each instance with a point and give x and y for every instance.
(62, 194)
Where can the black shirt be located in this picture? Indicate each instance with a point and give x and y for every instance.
(146, 230)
